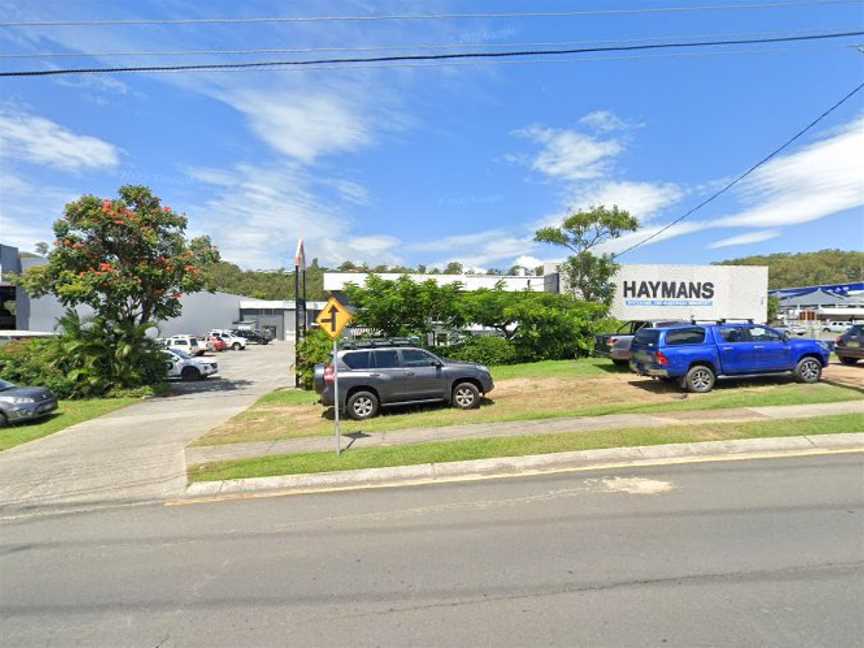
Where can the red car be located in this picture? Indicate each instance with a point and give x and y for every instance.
(216, 344)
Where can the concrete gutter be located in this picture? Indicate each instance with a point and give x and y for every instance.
(532, 465)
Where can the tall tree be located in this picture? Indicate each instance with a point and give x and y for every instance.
(589, 275)
(454, 267)
(127, 258)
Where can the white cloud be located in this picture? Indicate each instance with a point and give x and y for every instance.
(302, 126)
(570, 155)
(527, 261)
(642, 199)
(746, 239)
(258, 212)
(821, 179)
(605, 121)
(27, 210)
(42, 141)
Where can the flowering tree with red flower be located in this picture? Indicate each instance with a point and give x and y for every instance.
(126, 258)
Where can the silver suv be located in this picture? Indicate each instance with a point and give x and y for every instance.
(377, 375)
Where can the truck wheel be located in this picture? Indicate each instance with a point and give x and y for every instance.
(190, 373)
(808, 370)
(466, 396)
(847, 360)
(700, 379)
(362, 405)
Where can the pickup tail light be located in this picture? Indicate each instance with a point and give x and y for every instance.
(329, 374)
(662, 360)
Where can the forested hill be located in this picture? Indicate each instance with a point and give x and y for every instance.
(786, 270)
(264, 284)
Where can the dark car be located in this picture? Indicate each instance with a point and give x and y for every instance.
(24, 403)
(850, 346)
(252, 336)
(616, 346)
(380, 376)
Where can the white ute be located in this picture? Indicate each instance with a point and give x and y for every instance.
(182, 365)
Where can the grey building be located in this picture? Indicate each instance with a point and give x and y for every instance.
(276, 316)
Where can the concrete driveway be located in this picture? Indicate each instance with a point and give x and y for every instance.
(136, 454)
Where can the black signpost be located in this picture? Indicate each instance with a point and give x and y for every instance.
(299, 303)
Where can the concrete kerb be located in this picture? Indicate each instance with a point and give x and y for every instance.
(530, 464)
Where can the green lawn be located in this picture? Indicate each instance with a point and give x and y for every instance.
(516, 446)
(286, 414)
(582, 368)
(69, 413)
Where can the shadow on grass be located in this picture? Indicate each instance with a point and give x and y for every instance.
(394, 409)
(613, 368)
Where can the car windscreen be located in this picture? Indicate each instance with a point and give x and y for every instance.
(647, 337)
(181, 353)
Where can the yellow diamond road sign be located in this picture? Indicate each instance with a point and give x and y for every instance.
(333, 318)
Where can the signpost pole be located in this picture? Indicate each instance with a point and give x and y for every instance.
(296, 323)
(336, 399)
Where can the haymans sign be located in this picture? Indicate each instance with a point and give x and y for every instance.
(648, 292)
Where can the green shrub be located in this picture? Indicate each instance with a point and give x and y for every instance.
(89, 359)
(485, 349)
(316, 348)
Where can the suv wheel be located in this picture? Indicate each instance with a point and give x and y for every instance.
(190, 373)
(808, 370)
(847, 360)
(700, 379)
(466, 396)
(362, 405)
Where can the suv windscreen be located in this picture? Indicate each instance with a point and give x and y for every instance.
(357, 360)
(386, 359)
(416, 358)
(679, 337)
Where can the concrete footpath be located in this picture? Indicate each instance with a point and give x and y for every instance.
(203, 454)
(136, 454)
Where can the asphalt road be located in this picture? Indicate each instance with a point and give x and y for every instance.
(745, 553)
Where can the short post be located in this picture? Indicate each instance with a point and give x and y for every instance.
(336, 399)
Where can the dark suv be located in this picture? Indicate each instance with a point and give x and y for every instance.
(252, 336)
(850, 346)
(379, 376)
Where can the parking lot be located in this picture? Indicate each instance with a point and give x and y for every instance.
(136, 453)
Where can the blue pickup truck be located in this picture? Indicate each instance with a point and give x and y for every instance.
(698, 355)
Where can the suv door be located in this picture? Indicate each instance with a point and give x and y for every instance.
(770, 351)
(391, 379)
(736, 349)
(424, 377)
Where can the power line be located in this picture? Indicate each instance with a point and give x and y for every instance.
(761, 162)
(377, 48)
(413, 17)
(427, 57)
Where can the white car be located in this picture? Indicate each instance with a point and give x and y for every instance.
(186, 343)
(834, 327)
(184, 366)
(231, 341)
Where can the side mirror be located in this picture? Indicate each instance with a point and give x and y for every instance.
(787, 336)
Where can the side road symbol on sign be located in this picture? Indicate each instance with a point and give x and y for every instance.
(333, 318)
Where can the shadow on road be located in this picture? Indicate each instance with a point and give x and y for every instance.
(211, 385)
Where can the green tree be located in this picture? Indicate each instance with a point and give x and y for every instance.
(589, 275)
(787, 270)
(402, 306)
(454, 267)
(492, 309)
(773, 308)
(127, 259)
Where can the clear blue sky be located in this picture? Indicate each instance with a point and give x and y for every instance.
(416, 164)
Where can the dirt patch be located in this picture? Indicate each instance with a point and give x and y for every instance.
(848, 376)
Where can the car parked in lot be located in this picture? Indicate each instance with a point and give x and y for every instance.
(215, 344)
(850, 346)
(383, 374)
(186, 343)
(233, 342)
(252, 336)
(616, 346)
(182, 365)
(24, 403)
(834, 327)
(698, 355)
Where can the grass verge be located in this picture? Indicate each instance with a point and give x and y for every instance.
(286, 414)
(68, 413)
(516, 446)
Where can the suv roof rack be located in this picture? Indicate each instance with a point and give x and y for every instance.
(374, 343)
(723, 320)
